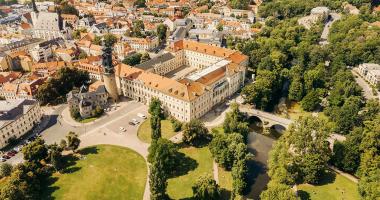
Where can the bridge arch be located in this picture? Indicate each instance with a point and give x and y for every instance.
(255, 123)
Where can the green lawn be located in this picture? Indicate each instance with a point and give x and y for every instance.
(106, 172)
(198, 162)
(336, 187)
(144, 132)
(88, 120)
(225, 182)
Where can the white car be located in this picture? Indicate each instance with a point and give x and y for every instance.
(122, 129)
(135, 121)
(141, 115)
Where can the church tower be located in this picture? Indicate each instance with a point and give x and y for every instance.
(109, 72)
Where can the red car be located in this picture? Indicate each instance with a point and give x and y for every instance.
(11, 154)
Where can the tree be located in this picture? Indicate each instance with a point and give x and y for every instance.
(296, 90)
(77, 32)
(166, 152)
(234, 122)
(261, 92)
(140, 4)
(346, 116)
(277, 191)
(82, 55)
(72, 141)
(97, 40)
(239, 4)
(239, 176)
(369, 171)
(155, 125)
(222, 148)
(206, 188)
(311, 101)
(145, 57)
(5, 170)
(55, 89)
(155, 107)
(69, 9)
(55, 156)
(194, 131)
(109, 39)
(35, 151)
(133, 59)
(155, 111)
(219, 27)
(310, 152)
(137, 29)
(161, 32)
(157, 181)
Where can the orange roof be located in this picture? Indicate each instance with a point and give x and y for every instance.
(232, 55)
(212, 77)
(185, 91)
(95, 86)
(25, 26)
(377, 23)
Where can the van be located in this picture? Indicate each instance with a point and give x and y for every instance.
(141, 115)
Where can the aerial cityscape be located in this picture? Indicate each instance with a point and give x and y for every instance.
(190, 99)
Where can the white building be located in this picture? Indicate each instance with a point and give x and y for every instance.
(17, 117)
(142, 44)
(371, 72)
(216, 73)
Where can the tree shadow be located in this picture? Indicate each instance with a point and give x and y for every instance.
(226, 194)
(69, 164)
(303, 195)
(328, 177)
(185, 164)
(89, 150)
(48, 188)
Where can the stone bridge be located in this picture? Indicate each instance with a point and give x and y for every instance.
(268, 119)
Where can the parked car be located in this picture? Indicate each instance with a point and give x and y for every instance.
(2, 159)
(122, 129)
(6, 157)
(141, 115)
(135, 121)
(10, 154)
(131, 123)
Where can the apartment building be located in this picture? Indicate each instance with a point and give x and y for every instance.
(17, 117)
(142, 44)
(217, 74)
(370, 72)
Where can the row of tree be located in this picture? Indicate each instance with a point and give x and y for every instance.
(25, 180)
(230, 151)
(299, 156)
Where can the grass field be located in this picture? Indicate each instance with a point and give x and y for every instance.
(198, 162)
(105, 172)
(335, 187)
(144, 133)
(87, 120)
(225, 182)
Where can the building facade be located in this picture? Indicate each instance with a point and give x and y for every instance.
(218, 73)
(17, 117)
(86, 100)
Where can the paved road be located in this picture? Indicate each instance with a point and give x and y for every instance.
(326, 29)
